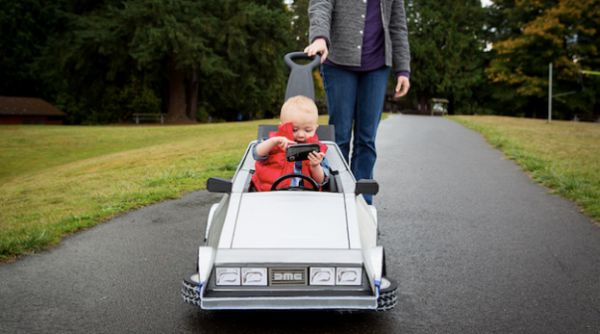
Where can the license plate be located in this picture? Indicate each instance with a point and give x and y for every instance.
(287, 276)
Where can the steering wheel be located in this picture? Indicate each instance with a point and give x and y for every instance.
(292, 175)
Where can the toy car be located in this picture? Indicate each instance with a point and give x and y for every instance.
(293, 248)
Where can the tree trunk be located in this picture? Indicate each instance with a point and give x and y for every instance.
(424, 105)
(176, 113)
(192, 95)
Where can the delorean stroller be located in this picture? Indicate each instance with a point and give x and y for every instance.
(259, 252)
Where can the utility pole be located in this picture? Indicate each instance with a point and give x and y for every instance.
(549, 92)
(550, 96)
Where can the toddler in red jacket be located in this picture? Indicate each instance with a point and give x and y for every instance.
(299, 122)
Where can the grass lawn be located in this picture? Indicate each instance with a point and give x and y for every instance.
(56, 180)
(564, 156)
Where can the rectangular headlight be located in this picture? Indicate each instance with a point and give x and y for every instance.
(348, 276)
(322, 276)
(254, 276)
(227, 276)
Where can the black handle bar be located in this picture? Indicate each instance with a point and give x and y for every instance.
(300, 81)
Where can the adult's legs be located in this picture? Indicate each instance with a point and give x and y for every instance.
(340, 87)
(370, 99)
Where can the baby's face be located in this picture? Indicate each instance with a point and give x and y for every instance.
(304, 131)
(304, 126)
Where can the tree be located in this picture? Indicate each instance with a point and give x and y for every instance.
(252, 39)
(195, 59)
(24, 27)
(446, 50)
(174, 35)
(535, 33)
(300, 23)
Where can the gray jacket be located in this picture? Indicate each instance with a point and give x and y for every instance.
(341, 22)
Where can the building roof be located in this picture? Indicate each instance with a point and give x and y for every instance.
(27, 106)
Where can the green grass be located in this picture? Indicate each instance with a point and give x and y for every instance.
(56, 180)
(563, 156)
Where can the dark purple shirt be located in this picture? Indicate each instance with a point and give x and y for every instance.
(373, 46)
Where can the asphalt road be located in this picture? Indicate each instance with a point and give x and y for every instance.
(475, 245)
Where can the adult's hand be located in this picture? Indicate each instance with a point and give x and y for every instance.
(318, 46)
(402, 86)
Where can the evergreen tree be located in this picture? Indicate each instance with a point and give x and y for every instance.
(252, 39)
(447, 43)
(300, 24)
(24, 29)
(115, 58)
(172, 35)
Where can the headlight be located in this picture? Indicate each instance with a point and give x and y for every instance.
(348, 276)
(322, 276)
(228, 276)
(254, 276)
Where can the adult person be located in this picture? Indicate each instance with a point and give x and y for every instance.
(359, 41)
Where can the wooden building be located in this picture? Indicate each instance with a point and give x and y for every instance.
(28, 110)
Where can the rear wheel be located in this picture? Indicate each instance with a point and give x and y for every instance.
(387, 295)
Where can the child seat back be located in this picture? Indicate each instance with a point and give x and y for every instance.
(325, 132)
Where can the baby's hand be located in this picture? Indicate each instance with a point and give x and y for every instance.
(315, 158)
(283, 142)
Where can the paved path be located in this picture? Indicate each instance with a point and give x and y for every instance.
(476, 247)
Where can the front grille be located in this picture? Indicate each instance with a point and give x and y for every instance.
(286, 280)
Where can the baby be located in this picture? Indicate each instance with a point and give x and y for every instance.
(298, 124)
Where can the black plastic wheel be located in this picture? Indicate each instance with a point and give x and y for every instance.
(190, 292)
(388, 297)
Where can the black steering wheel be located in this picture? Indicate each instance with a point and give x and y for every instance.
(292, 175)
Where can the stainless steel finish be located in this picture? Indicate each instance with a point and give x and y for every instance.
(341, 256)
(279, 230)
(289, 303)
(291, 219)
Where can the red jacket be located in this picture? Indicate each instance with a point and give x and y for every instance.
(276, 165)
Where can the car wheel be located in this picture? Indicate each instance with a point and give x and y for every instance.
(388, 296)
(190, 290)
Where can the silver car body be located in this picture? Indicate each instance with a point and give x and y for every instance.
(291, 229)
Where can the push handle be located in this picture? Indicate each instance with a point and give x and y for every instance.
(300, 81)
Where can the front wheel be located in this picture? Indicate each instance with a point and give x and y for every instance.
(388, 295)
(190, 290)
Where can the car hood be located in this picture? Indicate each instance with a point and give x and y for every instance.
(291, 219)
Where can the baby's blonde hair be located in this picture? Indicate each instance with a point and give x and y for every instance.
(298, 104)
